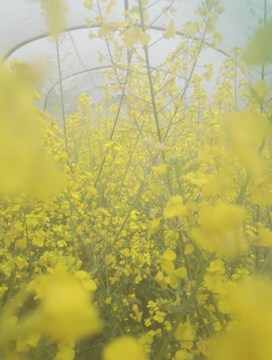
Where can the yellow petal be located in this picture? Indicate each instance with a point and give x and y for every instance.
(167, 266)
(144, 38)
(65, 353)
(33, 338)
(170, 30)
(189, 249)
(175, 207)
(169, 255)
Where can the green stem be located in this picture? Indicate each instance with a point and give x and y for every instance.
(242, 192)
(188, 81)
(40, 349)
(217, 312)
(151, 88)
(107, 241)
(256, 258)
(111, 136)
(183, 311)
(62, 101)
(28, 248)
(130, 210)
(267, 261)
(257, 247)
(201, 317)
(128, 164)
(120, 105)
(11, 286)
(190, 278)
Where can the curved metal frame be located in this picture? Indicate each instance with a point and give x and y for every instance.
(74, 28)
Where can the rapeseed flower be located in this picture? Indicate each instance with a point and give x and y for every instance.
(123, 348)
(65, 312)
(219, 230)
(250, 337)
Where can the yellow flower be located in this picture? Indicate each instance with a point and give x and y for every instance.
(169, 255)
(167, 325)
(246, 133)
(176, 275)
(189, 249)
(65, 312)
(219, 230)
(54, 8)
(30, 338)
(175, 207)
(250, 339)
(259, 50)
(144, 38)
(137, 313)
(65, 353)
(185, 333)
(88, 4)
(170, 30)
(213, 273)
(167, 265)
(124, 348)
(204, 346)
(163, 281)
(131, 37)
(39, 241)
(171, 237)
(154, 226)
(265, 237)
(106, 29)
(21, 262)
(134, 35)
(183, 355)
(91, 35)
(87, 283)
(160, 170)
(261, 191)
(91, 191)
(224, 290)
(23, 164)
(159, 316)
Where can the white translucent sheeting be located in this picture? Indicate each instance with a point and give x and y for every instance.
(23, 37)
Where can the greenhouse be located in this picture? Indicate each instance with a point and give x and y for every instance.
(136, 182)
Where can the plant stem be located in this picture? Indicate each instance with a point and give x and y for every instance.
(183, 311)
(62, 101)
(28, 248)
(151, 88)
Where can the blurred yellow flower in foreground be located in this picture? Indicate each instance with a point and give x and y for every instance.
(213, 273)
(160, 170)
(134, 35)
(23, 164)
(185, 333)
(250, 338)
(175, 207)
(246, 133)
(65, 312)
(124, 348)
(219, 230)
(170, 30)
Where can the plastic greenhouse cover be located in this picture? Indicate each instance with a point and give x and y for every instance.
(24, 36)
